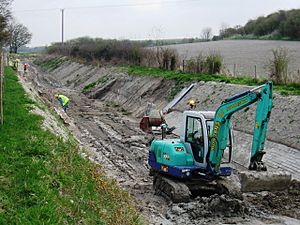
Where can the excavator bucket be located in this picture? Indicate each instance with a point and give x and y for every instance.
(253, 181)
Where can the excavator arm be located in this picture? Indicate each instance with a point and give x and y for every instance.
(222, 125)
(263, 112)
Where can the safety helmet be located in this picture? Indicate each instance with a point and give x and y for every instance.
(56, 96)
(192, 103)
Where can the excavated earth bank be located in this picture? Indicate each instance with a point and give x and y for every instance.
(107, 122)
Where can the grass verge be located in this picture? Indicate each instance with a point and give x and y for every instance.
(179, 77)
(44, 180)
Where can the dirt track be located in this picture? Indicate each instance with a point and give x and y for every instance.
(115, 141)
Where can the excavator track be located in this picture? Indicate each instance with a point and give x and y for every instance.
(171, 189)
(182, 191)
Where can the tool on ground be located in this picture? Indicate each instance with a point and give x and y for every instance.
(154, 119)
(195, 162)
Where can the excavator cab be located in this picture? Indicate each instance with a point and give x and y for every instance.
(196, 134)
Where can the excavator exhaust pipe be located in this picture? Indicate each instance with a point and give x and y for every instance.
(253, 181)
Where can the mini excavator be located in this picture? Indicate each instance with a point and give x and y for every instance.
(195, 161)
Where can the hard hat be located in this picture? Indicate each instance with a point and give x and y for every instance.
(56, 96)
(192, 103)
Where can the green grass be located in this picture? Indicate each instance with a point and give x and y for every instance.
(92, 85)
(50, 64)
(179, 85)
(89, 87)
(179, 77)
(44, 180)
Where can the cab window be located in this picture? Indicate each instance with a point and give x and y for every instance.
(194, 136)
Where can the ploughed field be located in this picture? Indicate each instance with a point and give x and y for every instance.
(243, 55)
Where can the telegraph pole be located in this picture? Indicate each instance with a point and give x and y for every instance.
(62, 25)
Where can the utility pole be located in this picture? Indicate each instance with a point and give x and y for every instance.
(62, 26)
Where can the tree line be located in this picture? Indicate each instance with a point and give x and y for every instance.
(12, 33)
(103, 52)
(279, 25)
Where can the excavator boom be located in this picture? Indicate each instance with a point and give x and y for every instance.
(222, 125)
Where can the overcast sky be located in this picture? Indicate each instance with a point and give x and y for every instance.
(137, 19)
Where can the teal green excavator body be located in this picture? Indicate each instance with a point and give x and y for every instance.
(206, 135)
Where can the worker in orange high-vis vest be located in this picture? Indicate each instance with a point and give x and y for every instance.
(63, 100)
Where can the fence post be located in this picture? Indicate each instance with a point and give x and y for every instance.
(1, 87)
(234, 69)
(182, 65)
(255, 72)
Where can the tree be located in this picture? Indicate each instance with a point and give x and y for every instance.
(291, 26)
(223, 28)
(4, 7)
(18, 36)
(206, 33)
(4, 17)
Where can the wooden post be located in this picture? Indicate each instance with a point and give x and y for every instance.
(1, 88)
(182, 65)
(234, 69)
(255, 73)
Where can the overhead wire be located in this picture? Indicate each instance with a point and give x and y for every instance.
(107, 6)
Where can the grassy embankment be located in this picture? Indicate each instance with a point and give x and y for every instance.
(44, 180)
(180, 78)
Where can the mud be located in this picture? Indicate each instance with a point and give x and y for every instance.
(255, 208)
(209, 209)
(285, 204)
(108, 128)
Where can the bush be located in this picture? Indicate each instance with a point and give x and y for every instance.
(210, 64)
(166, 58)
(196, 64)
(278, 66)
(214, 62)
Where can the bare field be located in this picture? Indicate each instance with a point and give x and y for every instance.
(244, 55)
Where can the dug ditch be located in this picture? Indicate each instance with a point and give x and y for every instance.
(106, 122)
